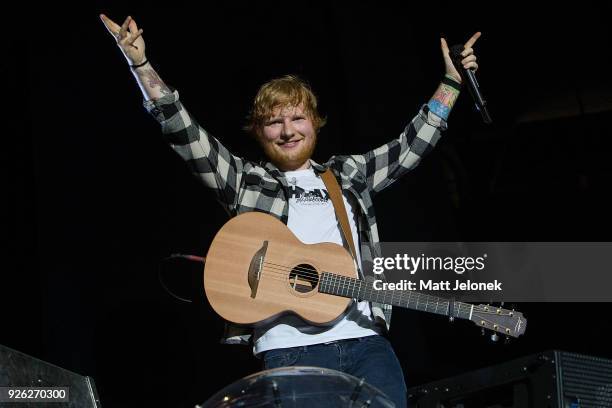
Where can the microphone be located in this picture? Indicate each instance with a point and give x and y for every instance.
(469, 77)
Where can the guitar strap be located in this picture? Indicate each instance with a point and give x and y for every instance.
(336, 196)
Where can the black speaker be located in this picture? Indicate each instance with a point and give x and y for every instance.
(552, 379)
(27, 381)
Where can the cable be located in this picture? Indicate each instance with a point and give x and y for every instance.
(192, 258)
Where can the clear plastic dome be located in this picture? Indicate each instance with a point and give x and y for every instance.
(293, 387)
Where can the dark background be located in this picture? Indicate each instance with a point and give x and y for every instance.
(97, 199)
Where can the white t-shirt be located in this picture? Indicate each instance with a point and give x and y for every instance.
(312, 219)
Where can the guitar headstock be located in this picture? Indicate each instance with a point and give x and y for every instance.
(504, 321)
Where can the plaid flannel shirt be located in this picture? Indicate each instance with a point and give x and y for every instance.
(242, 185)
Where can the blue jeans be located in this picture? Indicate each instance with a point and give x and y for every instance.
(371, 358)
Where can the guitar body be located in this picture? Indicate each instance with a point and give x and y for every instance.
(257, 270)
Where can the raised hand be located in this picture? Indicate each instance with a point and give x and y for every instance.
(468, 61)
(128, 37)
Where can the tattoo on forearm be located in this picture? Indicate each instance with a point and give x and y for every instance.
(443, 100)
(154, 81)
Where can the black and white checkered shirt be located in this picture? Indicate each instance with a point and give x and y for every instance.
(242, 185)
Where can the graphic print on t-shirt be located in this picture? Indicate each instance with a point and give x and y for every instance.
(315, 196)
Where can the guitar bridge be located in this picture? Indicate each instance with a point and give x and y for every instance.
(256, 268)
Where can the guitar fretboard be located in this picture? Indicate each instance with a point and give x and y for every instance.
(344, 286)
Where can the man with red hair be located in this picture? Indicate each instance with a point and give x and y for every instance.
(285, 121)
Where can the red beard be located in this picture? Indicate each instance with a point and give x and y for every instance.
(287, 161)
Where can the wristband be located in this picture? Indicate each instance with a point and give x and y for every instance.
(146, 61)
(451, 82)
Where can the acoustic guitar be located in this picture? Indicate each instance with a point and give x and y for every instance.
(257, 270)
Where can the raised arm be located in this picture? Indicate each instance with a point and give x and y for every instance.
(207, 158)
(130, 42)
(386, 164)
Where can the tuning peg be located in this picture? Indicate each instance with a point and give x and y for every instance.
(451, 318)
(494, 337)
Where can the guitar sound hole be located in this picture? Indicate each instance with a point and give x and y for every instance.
(303, 278)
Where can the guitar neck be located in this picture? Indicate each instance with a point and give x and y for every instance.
(344, 286)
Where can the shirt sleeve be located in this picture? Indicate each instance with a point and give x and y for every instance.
(206, 157)
(384, 165)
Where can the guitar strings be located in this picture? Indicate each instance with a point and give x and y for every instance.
(340, 283)
(314, 274)
(478, 310)
(281, 269)
(306, 271)
(281, 276)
